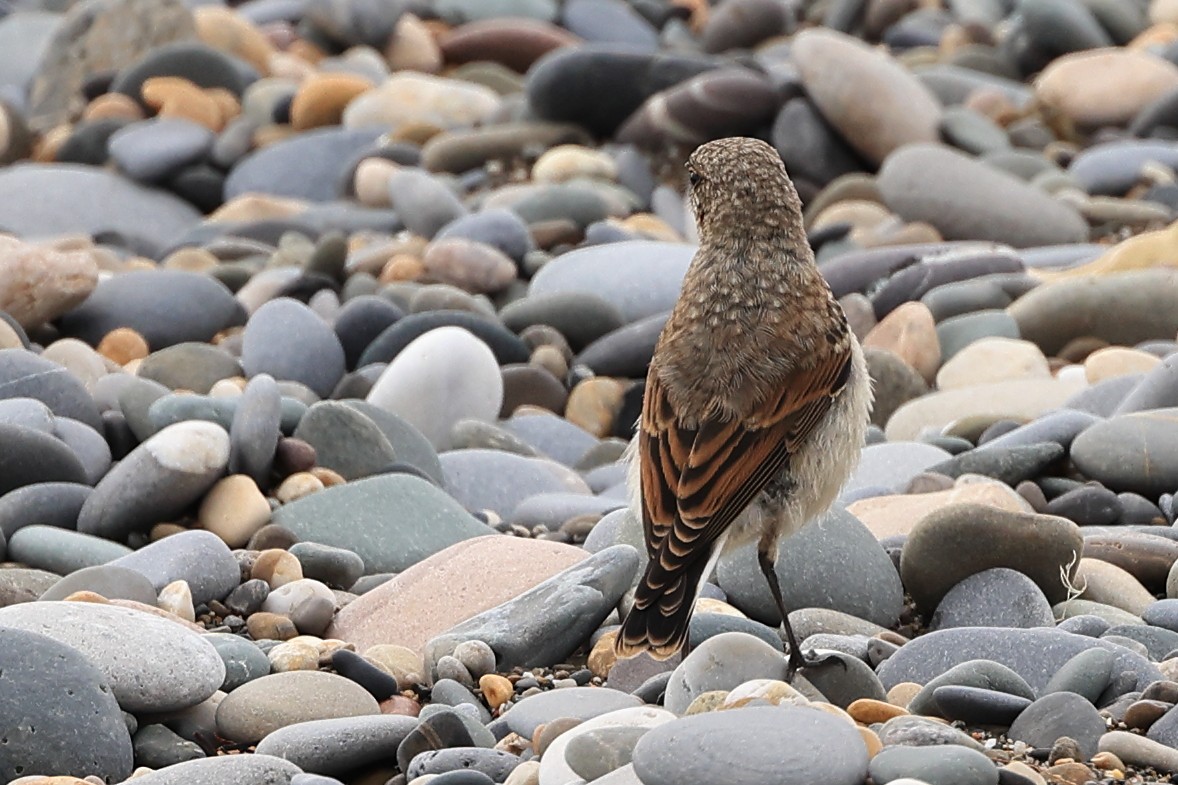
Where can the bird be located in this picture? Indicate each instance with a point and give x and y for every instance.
(756, 401)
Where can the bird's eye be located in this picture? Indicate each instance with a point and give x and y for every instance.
(693, 178)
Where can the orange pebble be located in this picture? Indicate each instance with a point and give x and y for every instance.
(172, 96)
(122, 345)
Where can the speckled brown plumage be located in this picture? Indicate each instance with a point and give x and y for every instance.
(756, 400)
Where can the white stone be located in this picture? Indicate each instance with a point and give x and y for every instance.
(993, 360)
(554, 770)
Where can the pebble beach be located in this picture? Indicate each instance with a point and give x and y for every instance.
(323, 330)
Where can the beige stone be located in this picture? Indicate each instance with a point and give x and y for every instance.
(38, 284)
(257, 207)
(407, 100)
(594, 404)
(910, 333)
(569, 161)
(122, 345)
(1100, 87)
(886, 516)
(296, 486)
(277, 568)
(176, 598)
(1020, 399)
(321, 99)
(859, 213)
(400, 662)
(227, 30)
(1114, 361)
(993, 360)
(1109, 584)
(449, 587)
(293, 656)
(412, 47)
(1163, 11)
(371, 181)
(234, 509)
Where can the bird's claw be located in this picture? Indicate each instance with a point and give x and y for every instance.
(799, 660)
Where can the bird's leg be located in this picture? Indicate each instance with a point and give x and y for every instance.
(797, 660)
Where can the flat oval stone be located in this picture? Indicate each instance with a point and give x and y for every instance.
(944, 763)
(311, 165)
(754, 746)
(199, 558)
(26, 375)
(1131, 452)
(190, 366)
(470, 478)
(31, 456)
(46, 504)
(157, 480)
(340, 745)
(64, 719)
(112, 582)
(150, 150)
(392, 521)
(288, 341)
(968, 200)
(1060, 714)
(151, 664)
(166, 307)
(998, 597)
(581, 703)
(226, 770)
(257, 709)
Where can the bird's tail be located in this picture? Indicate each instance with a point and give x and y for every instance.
(659, 619)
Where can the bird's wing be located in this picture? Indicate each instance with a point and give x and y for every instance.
(695, 482)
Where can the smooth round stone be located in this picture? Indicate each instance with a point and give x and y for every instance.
(94, 202)
(288, 341)
(406, 99)
(625, 352)
(598, 752)
(1131, 452)
(48, 504)
(1116, 85)
(1035, 655)
(244, 661)
(894, 384)
(88, 446)
(754, 746)
(360, 320)
(581, 317)
(345, 440)
(940, 765)
(157, 480)
(516, 43)
(647, 285)
(234, 509)
(63, 719)
(40, 284)
(580, 703)
(440, 378)
(496, 765)
(721, 663)
(998, 597)
(1087, 674)
(308, 603)
(31, 456)
(1061, 27)
(506, 346)
(550, 510)
(553, 436)
(1115, 167)
(26, 413)
(158, 746)
(340, 745)
(311, 165)
(334, 566)
(423, 202)
(967, 200)
(72, 553)
(955, 542)
(392, 521)
(166, 307)
(874, 102)
(598, 86)
(24, 375)
(189, 366)
(971, 131)
(1053, 314)
(1155, 391)
(979, 706)
(19, 584)
(893, 464)
(254, 432)
(1060, 427)
(498, 228)
(721, 103)
(811, 566)
(225, 770)
(470, 479)
(991, 360)
(612, 21)
(199, 558)
(1136, 750)
(254, 710)
(980, 674)
(810, 148)
(1088, 505)
(471, 266)
(151, 664)
(409, 444)
(112, 582)
(1010, 465)
(150, 150)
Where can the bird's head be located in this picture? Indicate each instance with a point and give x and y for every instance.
(739, 187)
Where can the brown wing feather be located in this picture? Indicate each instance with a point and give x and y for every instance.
(695, 482)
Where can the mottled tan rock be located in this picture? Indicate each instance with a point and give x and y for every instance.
(1107, 583)
(176, 598)
(910, 333)
(321, 100)
(1102, 87)
(993, 360)
(412, 47)
(264, 705)
(293, 656)
(404, 664)
(408, 99)
(1114, 361)
(449, 587)
(38, 283)
(1021, 399)
(472, 266)
(234, 509)
(172, 96)
(886, 516)
(296, 486)
(594, 404)
(122, 345)
(371, 181)
(569, 161)
(277, 568)
(257, 207)
(876, 103)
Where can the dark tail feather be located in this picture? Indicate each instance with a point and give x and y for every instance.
(663, 602)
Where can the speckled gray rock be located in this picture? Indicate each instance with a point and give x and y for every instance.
(786, 745)
(257, 709)
(581, 703)
(721, 663)
(981, 674)
(288, 341)
(473, 478)
(345, 440)
(392, 521)
(152, 664)
(340, 745)
(62, 716)
(999, 597)
(244, 661)
(253, 435)
(1060, 714)
(940, 765)
(23, 374)
(812, 566)
(62, 550)
(1131, 452)
(1034, 654)
(225, 770)
(112, 582)
(547, 623)
(157, 480)
(200, 558)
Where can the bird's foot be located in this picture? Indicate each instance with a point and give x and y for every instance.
(799, 660)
